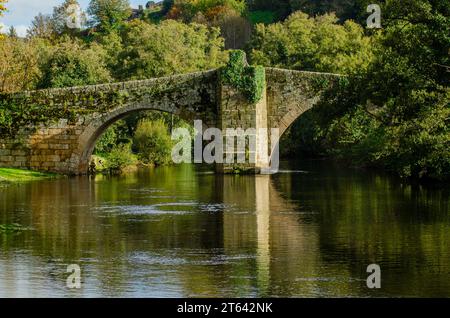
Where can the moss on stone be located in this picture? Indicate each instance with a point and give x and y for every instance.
(250, 80)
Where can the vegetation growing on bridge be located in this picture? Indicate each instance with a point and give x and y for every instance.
(39, 107)
(250, 80)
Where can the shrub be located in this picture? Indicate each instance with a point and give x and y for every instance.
(153, 142)
(250, 80)
(119, 158)
(106, 142)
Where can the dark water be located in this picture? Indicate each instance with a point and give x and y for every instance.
(183, 231)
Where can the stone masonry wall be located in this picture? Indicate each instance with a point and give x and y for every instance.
(64, 145)
(291, 93)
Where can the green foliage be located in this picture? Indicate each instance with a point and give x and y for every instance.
(279, 9)
(188, 9)
(168, 48)
(153, 142)
(344, 9)
(120, 158)
(316, 44)
(20, 63)
(106, 141)
(250, 80)
(71, 63)
(395, 113)
(109, 15)
(266, 17)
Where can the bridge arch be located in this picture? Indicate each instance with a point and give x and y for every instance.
(96, 127)
(290, 94)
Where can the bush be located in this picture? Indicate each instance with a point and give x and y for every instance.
(107, 141)
(153, 142)
(119, 158)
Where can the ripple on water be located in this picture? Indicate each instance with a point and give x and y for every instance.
(181, 207)
(294, 171)
(140, 210)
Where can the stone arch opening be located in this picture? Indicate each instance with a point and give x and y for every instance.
(98, 126)
(286, 122)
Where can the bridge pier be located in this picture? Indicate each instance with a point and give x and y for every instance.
(246, 122)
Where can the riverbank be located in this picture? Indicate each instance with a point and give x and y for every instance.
(12, 175)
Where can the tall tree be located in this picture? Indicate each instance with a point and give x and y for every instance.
(19, 67)
(109, 15)
(396, 114)
(74, 63)
(2, 9)
(171, 47)
(312, 43)
(42, 27)
(68, 17)
(12, 33)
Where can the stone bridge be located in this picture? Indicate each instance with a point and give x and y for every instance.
(58, 128)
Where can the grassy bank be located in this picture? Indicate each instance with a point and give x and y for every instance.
(19, 175)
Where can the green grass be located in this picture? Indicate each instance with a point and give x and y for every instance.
(19, 175)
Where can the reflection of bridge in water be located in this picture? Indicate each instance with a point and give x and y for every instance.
(255, 228)
(284, 246)
(174, 232)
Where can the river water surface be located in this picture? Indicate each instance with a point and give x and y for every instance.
(309, 231)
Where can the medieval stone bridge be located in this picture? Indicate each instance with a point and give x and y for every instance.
(81, 114)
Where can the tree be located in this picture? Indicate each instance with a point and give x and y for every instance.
(109, 15)
(281, 8)
(153, 142)
(344, 9)
(188, 9)
(317, 44)
(72, 63)
(168, 48)
(12, 33)
(2, 9)
(19, 64)
(395, 113)
(235, 29)
(69, 11)
(42, 27)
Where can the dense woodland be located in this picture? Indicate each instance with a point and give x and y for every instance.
(391, 111)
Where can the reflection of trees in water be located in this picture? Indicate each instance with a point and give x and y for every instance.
(369, 218)
(290, 234)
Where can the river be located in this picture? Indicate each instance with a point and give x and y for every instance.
(182, 231)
